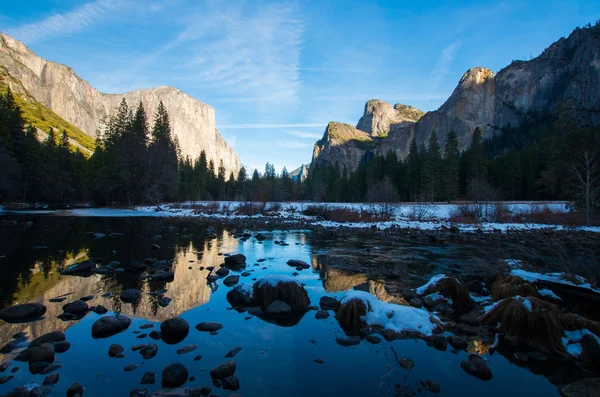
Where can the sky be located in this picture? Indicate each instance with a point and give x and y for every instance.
(277, 72)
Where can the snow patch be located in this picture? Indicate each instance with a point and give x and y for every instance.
(275, 279)
(549, 294)
(433, 281)
(559, 278)
(395, 317)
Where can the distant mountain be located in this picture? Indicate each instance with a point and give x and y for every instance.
(58, 88)
(300, 173)
(567, 72)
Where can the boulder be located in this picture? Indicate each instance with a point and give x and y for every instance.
(588, 387)
(130, 295)
(477, 367)
(329, 303)
(235, 260)
(149, 351)
(230, 281)
(22, 313)
(174, 330)
(108, 326)
(51, 337)
(209, 326)
(174, 375)
(223, 370)
(82, 268)
(75, 389)
(298, 264)
(278, 308)
(77, 307)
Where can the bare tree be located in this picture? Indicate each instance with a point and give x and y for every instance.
(584, 167)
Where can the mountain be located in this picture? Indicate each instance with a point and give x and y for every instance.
(300, 173)
(567, 72)
(57, 87)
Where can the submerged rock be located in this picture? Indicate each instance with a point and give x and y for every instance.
(174, 375)
(231, 383)
(329, 303)
(130, 295)
(208, 326)
(108, 326)
(187, 349)
(349, 341)
(76, 307)
(81, 268)
(457, 342)
(233, 352)
(149, 378)
(22, 313)
(148, 351)
(51, 337)
(230, 281)
(588, 387)
(278, 308)
(116, 350)
(50, 380)
(61, 347)
(321, 314)
(235, 260)
(476, 367)
(223, 370)
(75, 389)
(298, 264)
(239, 296)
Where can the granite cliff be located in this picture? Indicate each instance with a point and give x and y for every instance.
(75, 100)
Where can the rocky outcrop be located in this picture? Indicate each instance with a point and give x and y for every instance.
(566, 72)
(300, 173)
(59, 88)
(379, 117)
(342, 144)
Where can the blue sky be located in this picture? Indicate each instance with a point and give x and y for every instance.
(278, 71)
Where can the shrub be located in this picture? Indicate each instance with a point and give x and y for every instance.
(466, 213)
(421, 211)
(347, 214)
(349, 316)
(250, 208)
(530, 321)
(275, 207)
(459, 293)
(509, 286)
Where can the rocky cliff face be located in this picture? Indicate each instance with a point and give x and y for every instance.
(300, 173)
(342, 144)
(566, 72)
(379, 117)
(58, 87)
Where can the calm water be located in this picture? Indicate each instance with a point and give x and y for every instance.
(274, 360)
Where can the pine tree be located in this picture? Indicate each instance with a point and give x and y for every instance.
(164, 160)
(414, 171)
(240, 191)
(221, 181)
(432, 167)
(451, 166)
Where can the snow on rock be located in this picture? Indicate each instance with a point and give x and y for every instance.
(275, 279)
(559, 278)
(398, 318)
(549, 294)
(574, 349)
(433, 281)
(526, 302)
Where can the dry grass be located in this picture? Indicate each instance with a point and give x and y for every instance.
(291, 293)
(459, 293)
(346, 214)
(349, 316)
(539, 329)
(465, 213)
(251, 208)
(575, 322)
(509, 286)
(205, 208)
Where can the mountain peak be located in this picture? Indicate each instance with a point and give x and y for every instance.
(379, 117)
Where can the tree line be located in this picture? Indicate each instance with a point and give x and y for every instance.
(551, 156)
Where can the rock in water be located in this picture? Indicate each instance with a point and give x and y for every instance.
(76, 307)
(476, 367)
(298, 263)
(187, 349)
(329, 303)
(231, 383)
(51, 337)
(116, 350)
(81, 268)
(149, 378)
(589, 387)
(108, 326)
(22, 313)
(349, 341)
(174, 330)
(130, 295)
(322, 314)
(75, 389)
(61, 347)
(208, 327)
(149, 351)
(174, 375)
(235, 260)
(230, 281)
(224, 370)
(50, 380)
(233, 352)
(278, 308)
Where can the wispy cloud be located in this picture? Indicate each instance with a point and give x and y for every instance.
(66, 23)
(252, 52)
(294, 144)
(442, 66)
(251, 126)
(395, 97)
(305, 135)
